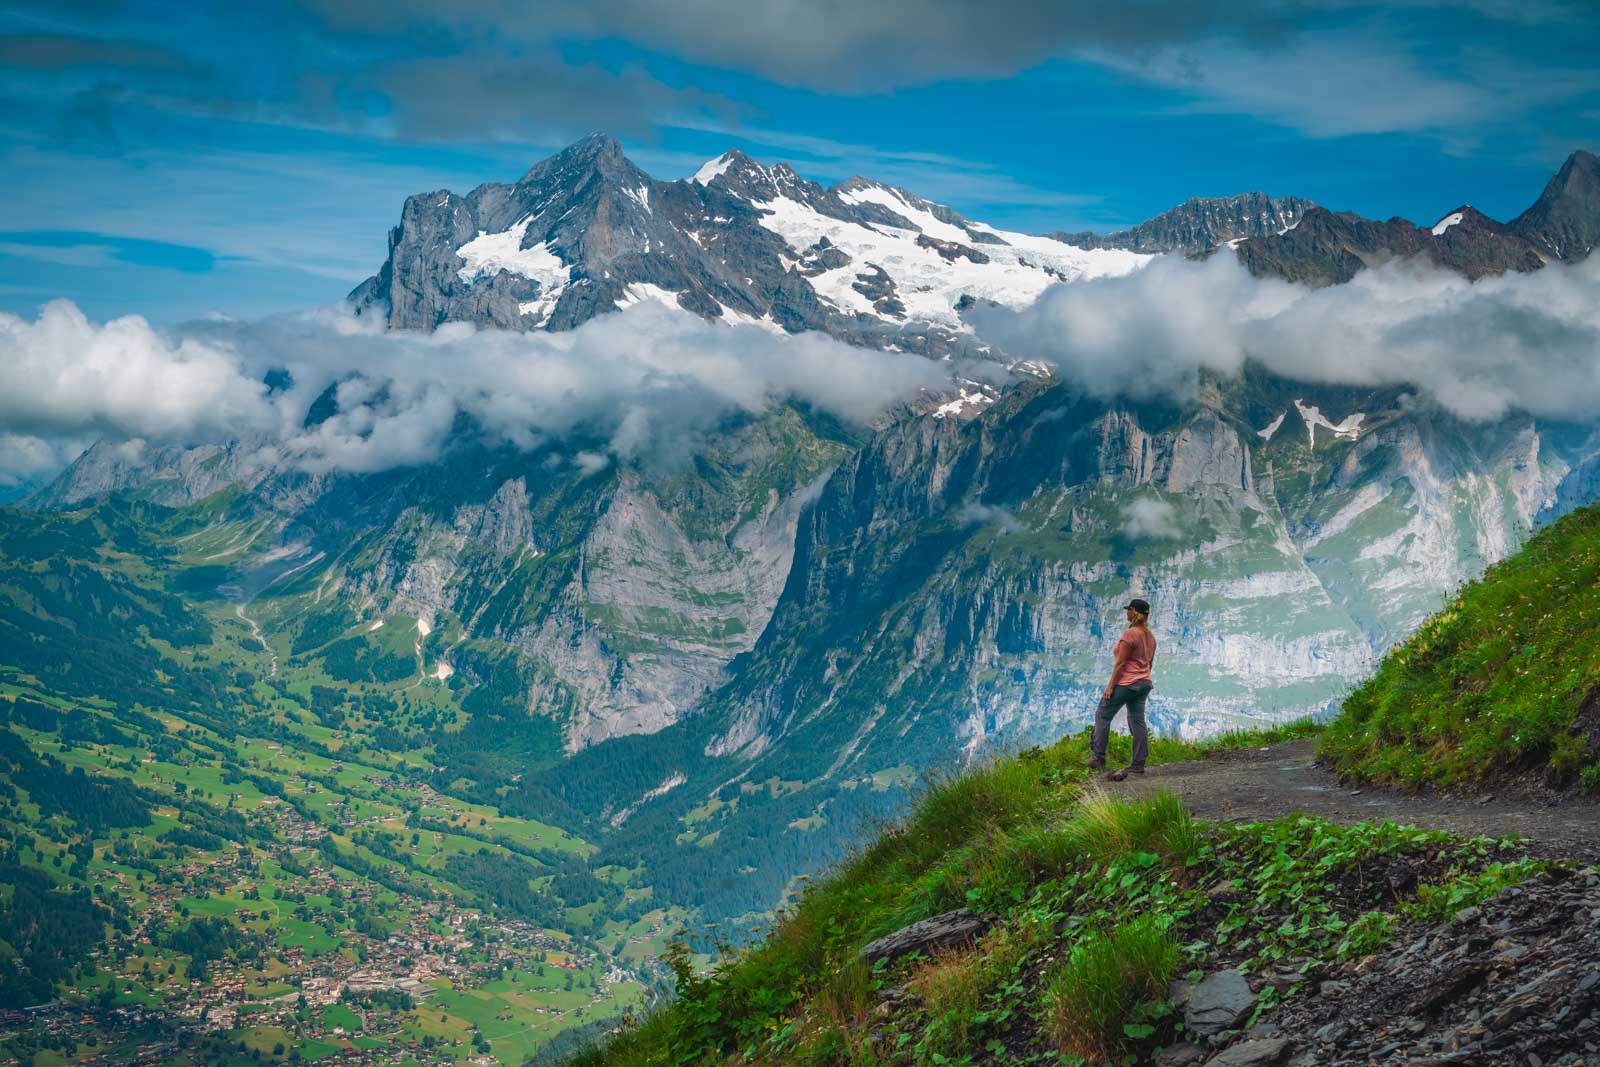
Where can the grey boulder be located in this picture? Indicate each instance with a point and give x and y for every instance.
(1181, 1055)
(1220, 1002)
(1251, 1053)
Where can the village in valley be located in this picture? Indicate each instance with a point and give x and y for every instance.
(292, 906)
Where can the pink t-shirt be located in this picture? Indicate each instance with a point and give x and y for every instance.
(1140, 647)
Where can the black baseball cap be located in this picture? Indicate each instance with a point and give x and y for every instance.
(1141, 606)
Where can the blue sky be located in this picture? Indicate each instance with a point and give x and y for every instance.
(175, 161)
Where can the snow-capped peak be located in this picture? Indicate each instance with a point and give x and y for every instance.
(1448, 221)
(712, 167)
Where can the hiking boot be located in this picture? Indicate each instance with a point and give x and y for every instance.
(1095, 764)
(1122, 775)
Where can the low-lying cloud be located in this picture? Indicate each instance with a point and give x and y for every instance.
(643, 383)
(1150, 518)
(1528, 342)
(981, 514)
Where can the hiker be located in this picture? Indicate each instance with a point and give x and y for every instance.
(1130, 684)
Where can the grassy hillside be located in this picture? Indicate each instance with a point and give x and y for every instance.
(1505, 680)
(1097, 905)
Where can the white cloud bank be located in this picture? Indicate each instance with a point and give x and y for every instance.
(1480, 349)
(649, 380)
(645, 381)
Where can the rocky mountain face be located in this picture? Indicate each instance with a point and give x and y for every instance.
(1200, 224)
(586, 232)
(1565, 221)
(1327, 247)
(606, 601)
(961, 583)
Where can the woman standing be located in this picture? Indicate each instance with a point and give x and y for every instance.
(1130, 684)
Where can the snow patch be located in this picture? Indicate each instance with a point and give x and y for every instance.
(1030, 367)
(1349, 429)
(1271, 428)
(741, 318)
(541, 308)
(639, 292)
(490, 253)
(966, 402)
(1445, 223)
(921, 218)
(640, 196)
(930, 286)
(673, 781)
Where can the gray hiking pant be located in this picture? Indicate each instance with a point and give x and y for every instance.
(1131, 697)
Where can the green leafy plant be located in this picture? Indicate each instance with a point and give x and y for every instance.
(1366, 935)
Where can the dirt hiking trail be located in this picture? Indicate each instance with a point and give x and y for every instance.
(1257, 784)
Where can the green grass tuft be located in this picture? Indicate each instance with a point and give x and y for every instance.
(1103, 982)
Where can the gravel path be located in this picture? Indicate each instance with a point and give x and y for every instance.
(1255, 784)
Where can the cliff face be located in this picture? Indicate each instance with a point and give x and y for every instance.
(960, 585)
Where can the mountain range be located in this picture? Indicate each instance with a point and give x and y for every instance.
(760, 647)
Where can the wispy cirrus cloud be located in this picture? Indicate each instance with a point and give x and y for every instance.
(1384, 83)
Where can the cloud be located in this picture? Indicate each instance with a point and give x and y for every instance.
(80, 248)
(457, 97)
(452, 72)
(25, 460)
(1149, 518)
(1386, 83)
(61, 52)
(646, 382)
(839, 47)
(1527, 342)
(835, 46)
(61, 375)
(114, 82)
(989, 515)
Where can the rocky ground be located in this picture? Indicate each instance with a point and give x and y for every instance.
(1515, 980)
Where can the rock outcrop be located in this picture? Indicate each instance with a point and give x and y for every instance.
(933, 934)
(1200, 224)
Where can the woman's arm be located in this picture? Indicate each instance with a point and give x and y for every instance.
(1117, 659)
